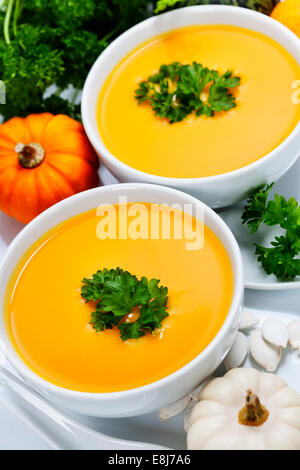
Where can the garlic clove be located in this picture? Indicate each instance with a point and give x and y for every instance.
(275, 332)
(294, 334)
(237, 352)
(265, 354)
(247, 320)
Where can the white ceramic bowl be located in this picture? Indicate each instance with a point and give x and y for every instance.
(150, 397)
(216, 191)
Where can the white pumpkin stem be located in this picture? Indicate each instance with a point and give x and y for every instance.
(31, 155)
(253, 413)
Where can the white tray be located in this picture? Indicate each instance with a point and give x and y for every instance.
(14, 434)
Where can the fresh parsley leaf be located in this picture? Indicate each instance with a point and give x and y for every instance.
(279, 260)
(131, 330)
(253, 213)
(282, 258)
(163, 5)
(116, 293)
(176, 91)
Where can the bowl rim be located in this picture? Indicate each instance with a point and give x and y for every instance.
(165, 180)
(237, 296)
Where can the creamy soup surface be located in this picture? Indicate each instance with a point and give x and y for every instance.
(264, 116)
(49, 323)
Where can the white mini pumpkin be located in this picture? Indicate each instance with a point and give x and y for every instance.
(248, 410)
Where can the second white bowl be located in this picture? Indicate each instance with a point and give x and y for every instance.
(216, 191)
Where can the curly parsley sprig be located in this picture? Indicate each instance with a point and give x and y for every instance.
(46, 46)
(116, 293)
(177, 90)
(281, 258)
(265, 7)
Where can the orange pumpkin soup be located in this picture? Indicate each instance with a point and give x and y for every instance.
(201, 146)
(49, 322)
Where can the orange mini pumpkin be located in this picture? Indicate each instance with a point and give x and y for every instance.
(43, 159)
(288, 13)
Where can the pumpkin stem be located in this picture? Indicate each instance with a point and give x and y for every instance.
(31, 155)
(253, 413)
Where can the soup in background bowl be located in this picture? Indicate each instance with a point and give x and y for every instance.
(217, 158)
(46, 327)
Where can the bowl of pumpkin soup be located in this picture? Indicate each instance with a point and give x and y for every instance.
(203, 99)
(120, 299)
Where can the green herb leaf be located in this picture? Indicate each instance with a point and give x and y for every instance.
(116, 293)
(103, 321)
(163, 5)
(279, 260)
(131, 330)
(176, 91)
(282, 257)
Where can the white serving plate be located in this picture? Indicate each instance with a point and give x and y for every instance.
(14, 434)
